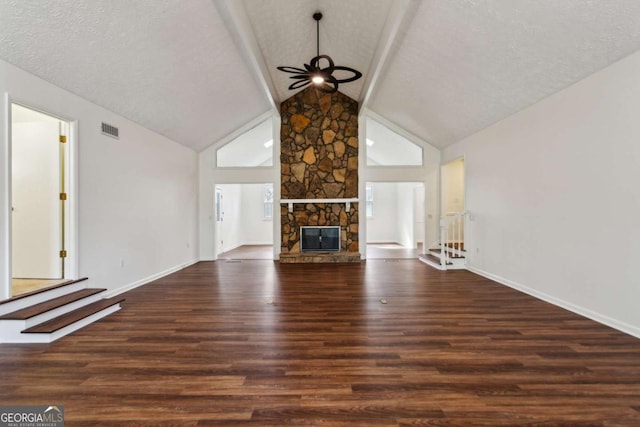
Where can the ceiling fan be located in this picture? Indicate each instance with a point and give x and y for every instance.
(319, 70)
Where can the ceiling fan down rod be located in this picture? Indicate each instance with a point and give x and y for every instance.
(317, 16)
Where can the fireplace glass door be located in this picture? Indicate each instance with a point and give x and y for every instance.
(319, 239)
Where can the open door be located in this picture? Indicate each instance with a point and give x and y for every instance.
(38, 199)
(219, 221)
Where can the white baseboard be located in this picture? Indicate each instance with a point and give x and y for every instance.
(227, 249)
(585, 312)
(148, 279)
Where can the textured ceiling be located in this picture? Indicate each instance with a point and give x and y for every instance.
(286, 33)
(169, 65)
(179, 68)
(463, 65)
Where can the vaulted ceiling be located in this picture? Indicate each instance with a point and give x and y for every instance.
(197, 70)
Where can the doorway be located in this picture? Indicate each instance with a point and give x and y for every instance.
(245, 228)
(395, 219)
(453, 202)
(39, 161)
(453, 187)
(219, 220)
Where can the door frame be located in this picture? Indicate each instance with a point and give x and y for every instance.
(218, 214)
(71, 187)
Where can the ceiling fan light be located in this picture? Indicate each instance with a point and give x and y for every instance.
(320, 75)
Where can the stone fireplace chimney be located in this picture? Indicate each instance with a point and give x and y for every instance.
(319, 172)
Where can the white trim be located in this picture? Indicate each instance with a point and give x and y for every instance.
(298, 201)
(585, 312)
(236, 246)
(5, 200)
(34, 299)
(239, 25)
(51, 337)
(71, 182)
(236, 133)
(73, 216)
(148, 279)
(257, 243)
(402, 132)
(398, 18)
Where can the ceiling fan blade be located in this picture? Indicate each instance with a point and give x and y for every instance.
(356, 74)
(292, 70)
(299, 84)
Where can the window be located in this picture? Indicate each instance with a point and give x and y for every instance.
(369, 200)
(267, 199)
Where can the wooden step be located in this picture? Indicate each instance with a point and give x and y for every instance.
(439, 251)
(67, 319)
(41, 290)
(456, 245)
(433, 259)
(43, 307)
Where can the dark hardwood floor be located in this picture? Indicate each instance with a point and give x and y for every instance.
(261, 344)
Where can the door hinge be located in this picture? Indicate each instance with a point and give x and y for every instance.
(63, 138)
(63, 254)
(63, 196)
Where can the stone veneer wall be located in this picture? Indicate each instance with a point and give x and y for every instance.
(319, 160)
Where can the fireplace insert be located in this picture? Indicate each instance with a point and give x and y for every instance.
(320, 239)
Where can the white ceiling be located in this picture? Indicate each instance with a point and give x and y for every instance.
(169, 65)
(189, 70)
(466, 64)
(286, 34)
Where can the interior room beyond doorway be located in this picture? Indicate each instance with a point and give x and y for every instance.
(395, 219)
(244, 214)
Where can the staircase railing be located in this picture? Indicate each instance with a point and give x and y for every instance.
(451, 237)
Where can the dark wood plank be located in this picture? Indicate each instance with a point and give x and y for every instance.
(434, 259)
(262, 344)
(34, 310)
(41, 290)
(71, 317)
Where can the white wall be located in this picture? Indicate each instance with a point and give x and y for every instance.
(137, 196)
(210, 176)
(554, 195)
(398, 213)
(255, 229)
(243, 217)
(382, 227)
(453, 187)
(428, 174)
(418, 213)
(406, 220)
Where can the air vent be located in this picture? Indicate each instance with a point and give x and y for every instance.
(111, 131)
